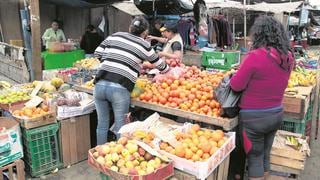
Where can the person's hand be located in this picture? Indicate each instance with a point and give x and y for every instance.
(160, 54)
(150, 37)
(52, 39)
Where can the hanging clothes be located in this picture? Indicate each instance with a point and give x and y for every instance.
(184, 27)
(223, 32)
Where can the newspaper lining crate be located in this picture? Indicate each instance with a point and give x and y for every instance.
(41, 147)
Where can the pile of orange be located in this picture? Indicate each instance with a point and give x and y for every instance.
(32, 112)
(197, 144)
(193, 92)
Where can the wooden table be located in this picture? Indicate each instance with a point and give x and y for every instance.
(225, 123)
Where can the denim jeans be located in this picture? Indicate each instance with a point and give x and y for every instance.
(88, 55)
(105, 94)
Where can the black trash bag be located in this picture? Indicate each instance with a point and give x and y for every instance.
(228, 98)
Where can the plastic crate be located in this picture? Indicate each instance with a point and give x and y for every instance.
(104, 177)
(296, 126)
(220, 60)
(41, 149)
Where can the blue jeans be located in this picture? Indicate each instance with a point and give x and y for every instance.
(105, 94)
(88, 55)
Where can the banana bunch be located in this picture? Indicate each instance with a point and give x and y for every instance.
(293, 142)
(302, 77)
(139, 134)
(88, 63)
(89, 84)
(5, 85)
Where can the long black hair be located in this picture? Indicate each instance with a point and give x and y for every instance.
(269, 32)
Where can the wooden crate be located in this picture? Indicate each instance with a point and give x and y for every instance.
(19, 165)
(75, 139)
(38, 121)
(17, 42)
(221, 173)
(288, 158)
(296, 106)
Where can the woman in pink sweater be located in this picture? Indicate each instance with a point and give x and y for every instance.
(262, 79)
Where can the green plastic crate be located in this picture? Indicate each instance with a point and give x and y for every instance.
(104, 177)
(220, 60)
(296, 126)
(41, 149)
(58, 60)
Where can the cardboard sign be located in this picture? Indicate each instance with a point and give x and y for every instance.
(36, 89)
(34, 101)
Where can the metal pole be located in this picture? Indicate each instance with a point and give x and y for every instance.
(245, 23)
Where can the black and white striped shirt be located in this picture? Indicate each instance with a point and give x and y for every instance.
(122, 54)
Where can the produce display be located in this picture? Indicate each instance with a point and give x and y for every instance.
(193, 91)
(9, 97)
(5, 85)
(89, 84)
(126, 157)
(55, 84)
(197, 144)
(88, 63)
(31, 112)
(302, 77)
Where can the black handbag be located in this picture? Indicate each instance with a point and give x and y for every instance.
(228, 98)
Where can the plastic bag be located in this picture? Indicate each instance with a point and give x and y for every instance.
(174, 73)
(228, 98)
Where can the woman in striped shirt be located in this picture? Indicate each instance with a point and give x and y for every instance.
(122, 55)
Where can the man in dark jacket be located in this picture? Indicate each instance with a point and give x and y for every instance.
(90, 41)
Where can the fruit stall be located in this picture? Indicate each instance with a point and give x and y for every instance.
(49, 124)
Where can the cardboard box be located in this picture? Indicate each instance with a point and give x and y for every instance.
(10, 141)
(75, 139)
(38, 121)
(203, 169)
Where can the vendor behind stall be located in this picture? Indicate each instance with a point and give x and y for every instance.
(53, 34)
(90, 41)
(173, 48)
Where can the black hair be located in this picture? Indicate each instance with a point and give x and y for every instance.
(138, 25)
(90, 27)
(56, 21)
(196, 9)
(268, 32)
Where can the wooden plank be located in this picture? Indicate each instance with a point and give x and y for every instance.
(65, 142)
(73, 140)
(19, 164)
(20, 169)
(226, 168)
(227, 124)
(284, 169)
(180, 175)
(287, 162)
(296, 155)
(83, 137)
(36, 39)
